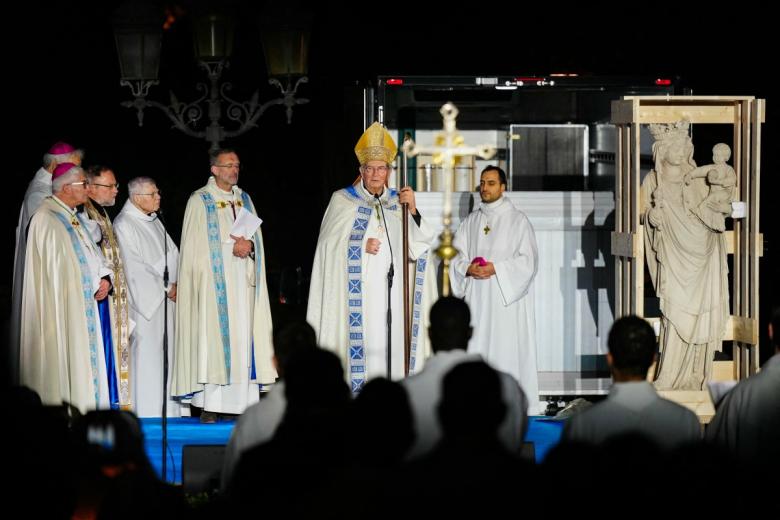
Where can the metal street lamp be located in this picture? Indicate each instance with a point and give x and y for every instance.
(138, 35)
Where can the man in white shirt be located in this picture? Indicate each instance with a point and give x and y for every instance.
(494, 271)
(147, 251)
(449, 333)
(633, 406)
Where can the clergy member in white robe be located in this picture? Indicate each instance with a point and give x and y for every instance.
(115, 320)
(147, 250)
(62, 355)
(494, 271)
(223, 317)
(38, 189)
(348, 293)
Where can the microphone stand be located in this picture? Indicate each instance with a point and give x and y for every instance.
(165, 353)
(390, 274)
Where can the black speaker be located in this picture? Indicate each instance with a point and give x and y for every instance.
(201, 467)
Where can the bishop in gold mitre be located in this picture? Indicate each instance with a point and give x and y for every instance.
(360, 236)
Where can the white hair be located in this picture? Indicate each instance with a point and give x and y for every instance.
(66, 178)
(135, 184)
(49, 158)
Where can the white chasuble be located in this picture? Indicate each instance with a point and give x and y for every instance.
(38, 189)
(223, 316)
(348, 294)
(502, 309)
(62, 354)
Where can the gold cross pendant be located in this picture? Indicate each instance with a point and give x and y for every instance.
(486, 230)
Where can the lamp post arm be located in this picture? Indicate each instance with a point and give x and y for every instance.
(185, 116)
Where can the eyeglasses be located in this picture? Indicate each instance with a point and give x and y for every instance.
(237, 166)
(79, 183)
(378, 169)
(106, 185)
(157, 193)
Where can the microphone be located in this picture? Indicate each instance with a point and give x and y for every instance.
(165, 248)
(391, 271)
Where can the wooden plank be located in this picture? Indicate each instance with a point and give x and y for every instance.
(731, 243)
(757, 246)
(697, 115)
(668, 109)
(723, 371)
(744, 330)
(690, 100)
(638, 260)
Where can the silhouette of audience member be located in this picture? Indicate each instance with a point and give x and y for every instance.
(381, 411)
(381, 420)
(469, 470)
(450, 330)
(259, 421)
(40, 463)
(285, 475)
(747, 422)
(116, 478)
(633, 406)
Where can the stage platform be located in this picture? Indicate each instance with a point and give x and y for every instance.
(542, 432)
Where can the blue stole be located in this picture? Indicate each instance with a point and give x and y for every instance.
(218, 272)
(108, 348)
(89, 297)
(357, 359)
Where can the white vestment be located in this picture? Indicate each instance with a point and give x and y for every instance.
(348, 294)
(62, 354)
(425, 388)
(634, 407)
(223, 316)
(38, 189)
(502, 310)
(140, 238)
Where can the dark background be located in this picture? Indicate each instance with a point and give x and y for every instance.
(62, 83)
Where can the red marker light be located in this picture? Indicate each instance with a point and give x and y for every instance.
(395, 81)
(661, 82)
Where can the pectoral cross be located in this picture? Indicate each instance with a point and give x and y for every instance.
(487, 229)
(447, 151)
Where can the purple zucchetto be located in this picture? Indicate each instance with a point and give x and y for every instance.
(60, 148)
(62, 169)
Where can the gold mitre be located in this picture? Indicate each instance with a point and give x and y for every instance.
(375, 145)
(671, 131)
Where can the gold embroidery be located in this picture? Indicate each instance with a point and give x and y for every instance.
(221, 204)
(119, 306)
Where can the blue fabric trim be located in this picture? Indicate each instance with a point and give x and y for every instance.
(419, 281)
(218, 270)
(354, 252)
(104, 312)
(86, 287)
(357, 361)
(352, 192)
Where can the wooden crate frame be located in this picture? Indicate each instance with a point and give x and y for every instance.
(745, 242)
